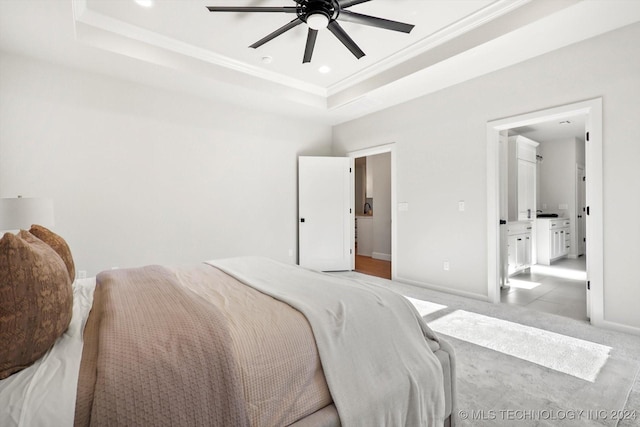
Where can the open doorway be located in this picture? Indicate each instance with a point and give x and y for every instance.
(545, 253)
(372, 207)
(497, 225)
(373, 196)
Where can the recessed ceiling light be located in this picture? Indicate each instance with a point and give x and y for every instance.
(266, 59)
(144, 3)
(324, 69)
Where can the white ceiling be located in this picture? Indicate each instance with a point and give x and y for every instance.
(180, 45)
(554, 130)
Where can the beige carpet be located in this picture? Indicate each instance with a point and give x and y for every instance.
(498, 387)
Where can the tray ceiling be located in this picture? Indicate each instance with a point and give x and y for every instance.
(180, 45)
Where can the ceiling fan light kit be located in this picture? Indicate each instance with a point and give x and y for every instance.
(319, 14)
(317, 21)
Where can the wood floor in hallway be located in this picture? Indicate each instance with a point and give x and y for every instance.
(373, 267)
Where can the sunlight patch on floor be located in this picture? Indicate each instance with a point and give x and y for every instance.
(425, 307)
(573, 356)
(563, 273)
(523, 284)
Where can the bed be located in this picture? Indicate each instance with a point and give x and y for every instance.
(234, 342)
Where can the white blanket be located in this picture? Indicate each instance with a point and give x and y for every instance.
(376, 350)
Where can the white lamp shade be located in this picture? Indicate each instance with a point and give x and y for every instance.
(22, 212)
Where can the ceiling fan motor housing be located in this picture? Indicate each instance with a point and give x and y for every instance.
(328, 8)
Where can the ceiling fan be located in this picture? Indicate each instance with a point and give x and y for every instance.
(318, 14)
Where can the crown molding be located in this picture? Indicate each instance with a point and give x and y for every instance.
(466, 24)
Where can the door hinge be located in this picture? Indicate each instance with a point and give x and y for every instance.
(587, 136)
(503, 222)
(584, 178)
(588, 211)
(349, 170)
(349, 210)
(588, 285)
(350, 251)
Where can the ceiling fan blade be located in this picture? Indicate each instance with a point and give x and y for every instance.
(311, 42)
(339, 32)
(348, 3)
(286, 9)
(372, 21)
(277, 32)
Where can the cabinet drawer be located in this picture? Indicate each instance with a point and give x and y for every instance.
(559, 223)
(519, 227)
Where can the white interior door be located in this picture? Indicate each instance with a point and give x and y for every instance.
(325, 219)
(581, 207)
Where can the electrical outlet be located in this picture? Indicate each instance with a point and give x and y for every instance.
(461, 205)
(446, 266)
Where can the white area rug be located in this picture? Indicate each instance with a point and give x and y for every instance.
(576, 357)
(425, 307)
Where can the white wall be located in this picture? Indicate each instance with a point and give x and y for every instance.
(558, 180)
(441, 159)
(558, 176)
(139, 175)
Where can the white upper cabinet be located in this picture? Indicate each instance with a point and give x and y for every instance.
(522, 178)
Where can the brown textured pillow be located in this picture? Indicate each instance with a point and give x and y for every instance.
(58, 244)
(36, 300)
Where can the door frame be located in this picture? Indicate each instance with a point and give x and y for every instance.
(372, 151)
(592, 109)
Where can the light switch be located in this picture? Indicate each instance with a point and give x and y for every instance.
(403, 206)
(461, 205)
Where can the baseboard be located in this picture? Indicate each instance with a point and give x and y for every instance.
(465, 294)
(619, 327)
(380, 255)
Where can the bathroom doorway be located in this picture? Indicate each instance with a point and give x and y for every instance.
(552, 276)
(592, 257)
